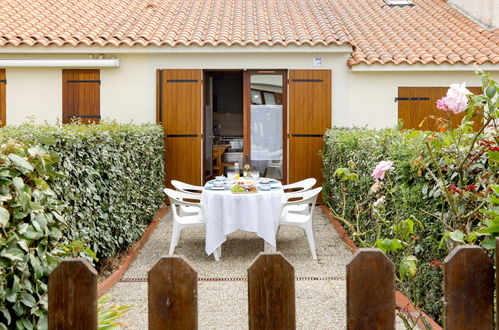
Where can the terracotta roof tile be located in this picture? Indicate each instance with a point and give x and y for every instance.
(429, 32)
(169, 22)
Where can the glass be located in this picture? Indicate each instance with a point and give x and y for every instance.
(255, 175)
(266, 120)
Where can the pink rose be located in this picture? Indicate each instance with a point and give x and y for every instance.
(381, 168)
(456, 99)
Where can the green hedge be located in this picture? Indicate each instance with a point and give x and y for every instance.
(361, 150)
(112, 179)
(30, 233)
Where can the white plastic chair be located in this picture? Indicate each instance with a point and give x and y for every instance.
(188, 189)
(178, 198)
(302, 185)
(303, 220)
(298, 187)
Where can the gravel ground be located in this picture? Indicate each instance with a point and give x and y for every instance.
(320, 304)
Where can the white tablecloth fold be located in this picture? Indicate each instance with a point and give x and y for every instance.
(227, 212)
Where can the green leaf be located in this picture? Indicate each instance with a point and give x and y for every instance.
(408, 267)
(457, 236)
(28, 299)
(18, 183)
(493, 156)
(47, 140)
(13, 254)
(20, 163)
(4, 217)
(490, 91)
(6, 315)
(389, 244)
(489, 244)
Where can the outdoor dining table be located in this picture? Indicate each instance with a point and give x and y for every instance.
(226, 212)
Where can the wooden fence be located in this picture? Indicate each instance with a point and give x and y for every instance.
(173, 298)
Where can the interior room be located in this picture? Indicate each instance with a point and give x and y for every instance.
(225, 126)
(223, 121)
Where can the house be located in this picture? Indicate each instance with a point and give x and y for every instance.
(267, 77)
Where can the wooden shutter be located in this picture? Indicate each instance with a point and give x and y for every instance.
(309, 118)
(80, 95)
(417, 106)
(180, 113)
(3, 83)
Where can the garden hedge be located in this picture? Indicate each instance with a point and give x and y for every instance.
(30, 225)
(111, 180)
(360, 150)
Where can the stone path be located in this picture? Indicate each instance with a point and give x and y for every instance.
(222, 287)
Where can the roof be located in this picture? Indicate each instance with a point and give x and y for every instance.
(429, 32)
(169, 22)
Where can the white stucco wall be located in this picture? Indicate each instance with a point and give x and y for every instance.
(33, 93)
(372, 94)
(484, 11)
(128, 93)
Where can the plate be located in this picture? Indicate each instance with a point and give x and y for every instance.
(269, 181)
(271, 189)
(216, 188)
(213, 180)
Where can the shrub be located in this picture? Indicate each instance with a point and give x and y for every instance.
(30, 226)
(111, 179)
(359, 151)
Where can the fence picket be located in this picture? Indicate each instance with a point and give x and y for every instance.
(468, 289)
(271, 293)
(370, 291)
(497, 278)
(73, 296)
(172, 294)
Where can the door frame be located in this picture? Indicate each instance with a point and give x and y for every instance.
(247, 115)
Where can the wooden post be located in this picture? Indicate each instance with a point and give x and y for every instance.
(370, 291)
(73, 296)
(468, 289)
(271, 293)
(497, 278)
(173, 294)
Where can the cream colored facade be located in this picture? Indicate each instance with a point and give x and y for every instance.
(361, 96)
(485, 12)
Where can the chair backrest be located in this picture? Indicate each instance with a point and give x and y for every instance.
(185, 187)
(308, 197)
(178, 198)
(302, 185)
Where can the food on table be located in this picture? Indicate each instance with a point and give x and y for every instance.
(240, 188)
(237, 188)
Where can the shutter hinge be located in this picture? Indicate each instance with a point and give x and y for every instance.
(411, 99)
(3, 81)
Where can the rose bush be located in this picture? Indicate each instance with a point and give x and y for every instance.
(442, 189)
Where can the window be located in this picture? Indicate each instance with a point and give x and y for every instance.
(80, 95)
(399, 3)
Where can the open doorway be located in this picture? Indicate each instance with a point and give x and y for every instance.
(224, 123)
(245, 122)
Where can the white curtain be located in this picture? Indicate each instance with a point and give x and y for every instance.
(266, 132)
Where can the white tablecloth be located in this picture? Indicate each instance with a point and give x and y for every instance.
(227, 212)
